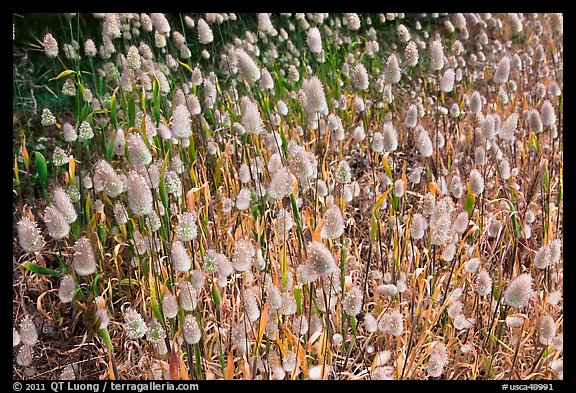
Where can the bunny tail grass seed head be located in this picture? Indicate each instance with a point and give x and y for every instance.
(423, 142)
(483, 283)
(436, 55)
(186, 228)
(180, 122)
(392, 72)
(155, 332)
(107, 179)
(547, 329)
(169, 306)
(352, 302)
(205, 35)
(134, 324)
(139, 194)
(84, 259)
(281, 184)
(320, 259)
(188, 297)
(314, 40)
(502, 71)
(519, 291)
(28, 331)
(333, 223)
(447, 82)
(62, 202)
(138, 153)
(58, 227)
(359, 77)
(67, 289)
(314, 100)
(180, 259)
(191, 330)
(251, 306)
(29, 236)
(476, 182)
(247, 67)
(251, 120)
(243, 255)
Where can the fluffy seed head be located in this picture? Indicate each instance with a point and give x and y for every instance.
(320, 259)
(352, 21)
(188, 297)
(333, 223)
(67, 288)
(359, 77)
(476, 102)
(107, 180)
(314, 100)
(62, 202)
(139, 195)
(69, 133)
(84, 259)
(502, 71)
(50, 45)
(180, 258)
(447, 81)
(548, 115)
(392, 322)
(156, 332)
(535, 121)
(352, 302)
(243, 255)
(418, 226)
(56, 223)
(423, 142)
(281, 184)
(389, 137)
(247, 67)
(205, 35)
(518, 293)
(25, 355)
(411, 54)
(28, 332)
(251, 306)
(169, 306)
(547, 329)
(181, 123)
(134, 324)
(314, 40)
(85, 132)
(392, 71)
(471, 266)
(483, 283)
(411, 118)
(192, 333)
(543, 257)
(138, 153)
(509, 127)
(476, 182)
(343, 173)
(436, 55)
(251, 119)
(186, 229)
(29, 236)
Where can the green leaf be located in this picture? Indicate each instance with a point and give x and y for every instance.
(62, 75)
(469, 203)
(132, 110)
(298, 297)
(128, 281)
(101, 229)
(87, 208)
(42, 169)
(156, 96)
(216, 294)
(41, 270)
(114, 109)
